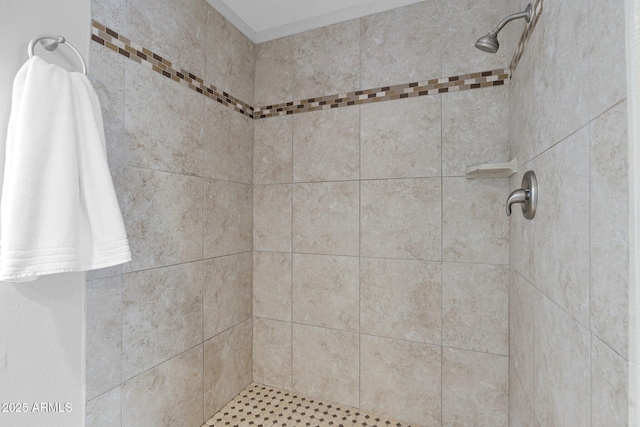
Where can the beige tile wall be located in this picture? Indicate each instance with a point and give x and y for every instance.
(381, 276)
(569, 265)
(380, 272)
(170, 340)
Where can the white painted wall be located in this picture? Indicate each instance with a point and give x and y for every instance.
(42, 323)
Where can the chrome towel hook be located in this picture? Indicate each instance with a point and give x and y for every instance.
(52, 45)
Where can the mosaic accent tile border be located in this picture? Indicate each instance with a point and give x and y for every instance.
(387, 93)
(122, 45)
(260, 405)
(537, 12)
(110, 39)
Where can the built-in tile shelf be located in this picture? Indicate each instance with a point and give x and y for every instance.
(492, 170)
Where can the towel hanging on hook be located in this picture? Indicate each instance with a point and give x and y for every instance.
(53, 45)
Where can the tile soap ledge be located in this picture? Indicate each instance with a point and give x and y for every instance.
(492, 170)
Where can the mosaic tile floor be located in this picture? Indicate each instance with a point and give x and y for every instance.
(260, 405)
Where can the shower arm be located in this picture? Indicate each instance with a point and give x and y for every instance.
(524, 14)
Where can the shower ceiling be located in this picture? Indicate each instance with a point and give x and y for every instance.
(263, 20)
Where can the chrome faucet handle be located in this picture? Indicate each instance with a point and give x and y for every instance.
(517, 196)
(527, 196)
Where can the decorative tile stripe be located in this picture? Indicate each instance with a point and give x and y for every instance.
(537, 12)
(118, 43)
(122, 45)
(259, 405)
(388, 93)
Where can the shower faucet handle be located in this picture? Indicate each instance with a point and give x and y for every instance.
(517, 196)
(527, 196)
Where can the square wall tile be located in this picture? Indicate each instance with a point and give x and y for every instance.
(327, 60)
(524, 301)
(401, 139)
(326, 145)
(175, 30)
(230, 57)
(475, 389)
(474, 129)
(107, 77)
(325, 291)
(401, 299)
(228, 144)
(162, 315)
(401, 45)
(272, 353)
(163, 123)
(274, 72)
(561, 249)
(227, 292)
(227, 366)
(561, 368)
(228, 222)
(609, 222)
(475, 307)
(272, 285)
(104, 335)
(561, 80)
(272, 216)
(607, 57)
(105, 410)
(401, 380)
(609, 386)
(273, 150)
(163, 218)
(402, 219)
(335, 355)
(521, 136)
(326, 217)
(168, 394)
(475, 227)
(111, 13)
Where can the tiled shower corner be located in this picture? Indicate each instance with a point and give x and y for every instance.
(334, 273)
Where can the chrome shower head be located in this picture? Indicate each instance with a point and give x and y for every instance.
(489, 43)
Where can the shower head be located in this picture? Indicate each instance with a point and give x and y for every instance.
(489, 43)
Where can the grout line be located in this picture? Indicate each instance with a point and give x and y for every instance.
(441, 256)
(553, 301)
(291, 246)
(432, 261)
(590, 232)
(202, 336)
(103, 393)
(526, 396)
(204, 283)
(188, 175)
(169, 359)
(125, 154)
(124, 273)
(360, 247)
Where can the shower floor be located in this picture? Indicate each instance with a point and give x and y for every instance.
(259, 405)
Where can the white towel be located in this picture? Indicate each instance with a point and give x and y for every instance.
(59, 211)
